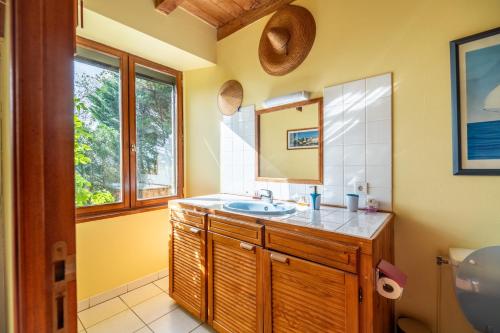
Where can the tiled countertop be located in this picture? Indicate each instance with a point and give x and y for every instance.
(338, 220)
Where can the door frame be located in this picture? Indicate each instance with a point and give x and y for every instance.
(42, 38)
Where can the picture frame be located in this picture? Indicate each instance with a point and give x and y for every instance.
(303, 138)
(475, 100)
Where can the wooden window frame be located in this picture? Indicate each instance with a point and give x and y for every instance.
(130, 204)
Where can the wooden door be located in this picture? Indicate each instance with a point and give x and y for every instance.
(305, 297)
(187, 284)
(234, 285)
(41, 35)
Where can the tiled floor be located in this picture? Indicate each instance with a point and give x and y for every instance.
(143, 310)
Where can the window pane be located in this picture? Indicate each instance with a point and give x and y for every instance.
(155, 134)
(98, 160)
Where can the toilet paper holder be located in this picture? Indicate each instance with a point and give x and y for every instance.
(387, 270)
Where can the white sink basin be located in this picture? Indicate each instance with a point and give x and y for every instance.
(260, 208)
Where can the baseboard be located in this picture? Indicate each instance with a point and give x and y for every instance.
(120, 290)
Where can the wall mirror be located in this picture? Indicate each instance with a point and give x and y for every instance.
(290, 143)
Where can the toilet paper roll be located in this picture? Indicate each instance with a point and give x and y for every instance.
(389, 288)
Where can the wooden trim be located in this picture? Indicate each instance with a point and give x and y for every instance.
(167, 6)
(290, 105)
(320, 127)
(43, 172)
(249, 17)
(133, 60)
(129, 204)
(118, 213)
(123, 57)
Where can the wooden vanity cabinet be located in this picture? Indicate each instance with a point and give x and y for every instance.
(187, 264)
(302, 296)
(234, 275)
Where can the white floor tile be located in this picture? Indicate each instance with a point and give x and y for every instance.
(155, 307)
(124, 322)
(141, 294)
(163, 284)
(203, 329)
(144, 330)
(80, 326)
(102, 311)
(178, 321)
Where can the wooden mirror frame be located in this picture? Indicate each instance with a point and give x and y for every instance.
(258, 113)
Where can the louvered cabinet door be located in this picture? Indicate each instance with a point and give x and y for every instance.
(305, 297)
(234, 285)
(187, 268)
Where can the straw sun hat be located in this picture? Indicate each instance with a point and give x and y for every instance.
(230, 97)
(286, 40)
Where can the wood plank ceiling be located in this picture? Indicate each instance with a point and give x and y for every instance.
(227, 16)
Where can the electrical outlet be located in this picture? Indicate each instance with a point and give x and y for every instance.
(361, 187)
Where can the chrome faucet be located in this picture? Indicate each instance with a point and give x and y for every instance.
(266, 195)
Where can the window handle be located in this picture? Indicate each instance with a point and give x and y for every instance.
(132, 147)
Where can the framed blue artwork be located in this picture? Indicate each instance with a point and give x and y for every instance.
(475, 84)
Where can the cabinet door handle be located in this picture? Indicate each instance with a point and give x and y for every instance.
(248, 247)
(280, 258)
(195, 231)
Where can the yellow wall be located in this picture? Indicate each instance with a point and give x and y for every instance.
(355, 39)
(276, 160)
(179, 29)
(116, 251)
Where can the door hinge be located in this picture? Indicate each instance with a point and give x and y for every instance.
(360, 295)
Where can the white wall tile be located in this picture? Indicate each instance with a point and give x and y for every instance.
(333, 96)
(379, 86)
(333, 132)
(354, 92)
(379, 131)
(333, 155)
(354, 154)
(379, 109)
(354, 133)
(378, 176)
(333, 195)
(355, 113)
(333, 175)
(383, 196)
(378, 154)
(353, 174)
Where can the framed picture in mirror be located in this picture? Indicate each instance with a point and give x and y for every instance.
(304, 138)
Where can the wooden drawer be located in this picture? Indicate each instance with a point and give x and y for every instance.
(187, 279)
(191, 217)
(246, 231)
(234, 285)
(320, 250)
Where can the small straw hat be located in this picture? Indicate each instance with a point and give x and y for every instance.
(230, 97)
(286, 40)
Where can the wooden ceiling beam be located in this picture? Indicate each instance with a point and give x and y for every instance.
(249, 17)
(167, 6)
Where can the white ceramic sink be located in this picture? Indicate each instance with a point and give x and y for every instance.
(260, 208)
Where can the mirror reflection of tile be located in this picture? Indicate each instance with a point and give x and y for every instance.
(357, 146)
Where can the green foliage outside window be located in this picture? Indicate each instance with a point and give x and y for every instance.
(98, 173)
